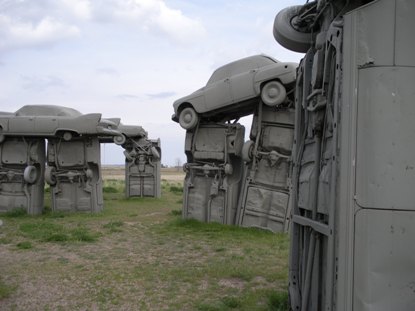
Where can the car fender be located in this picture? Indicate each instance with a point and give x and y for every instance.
(284, 72)
(4, 124)
(198, 104)
(61, 130)
(116, 121)
(85, 124)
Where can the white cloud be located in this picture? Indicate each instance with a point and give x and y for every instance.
(15, 33)
(176, 25)
(27, 24)
(152, 16)
(79, 8)
(41, 83)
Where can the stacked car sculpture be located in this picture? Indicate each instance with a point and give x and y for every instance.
(73, 158)
(226, 180)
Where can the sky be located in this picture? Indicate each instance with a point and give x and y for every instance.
(129, 59)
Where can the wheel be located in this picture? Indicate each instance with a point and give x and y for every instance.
(273, 93)
(247, 151)
(188, 118)
(67, 136)
(50, 176)
(288, 34)
(119, 139)
(30, 174)
(155, 153)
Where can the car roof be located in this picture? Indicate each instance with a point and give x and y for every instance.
(47, 110)
(241, 65)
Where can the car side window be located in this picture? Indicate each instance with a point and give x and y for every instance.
(241, 67)
(265, 61)
(219, 74)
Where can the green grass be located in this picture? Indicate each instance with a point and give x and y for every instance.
(140, 254)
(46, 231)
(24, 245)
(19, 212)
(114, 226)
(278, 301)
(6, 290)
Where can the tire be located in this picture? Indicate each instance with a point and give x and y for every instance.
(273, 93)
(67, 136)
(247, 150)
(188, 118)
(30, 174)
(119, 139)
(50, 176)
(288, 35)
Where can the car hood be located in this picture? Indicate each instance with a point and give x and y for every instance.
(132, 130)
(186, 99)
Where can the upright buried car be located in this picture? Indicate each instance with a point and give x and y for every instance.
(233, 90)
(353, 211)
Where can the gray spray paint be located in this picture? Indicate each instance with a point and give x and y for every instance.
(353, 213)
(228, 181)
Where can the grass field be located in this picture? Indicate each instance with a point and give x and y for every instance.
(138, 255)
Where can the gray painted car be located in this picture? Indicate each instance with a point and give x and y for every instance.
(22, 165)
(142, 160)
(142, 167)
(54, 121)
(214, 171)
(234, 90)
(74, 174)
(264, 198)
(353, 213)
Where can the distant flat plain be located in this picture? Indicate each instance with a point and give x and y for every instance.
(170, 174)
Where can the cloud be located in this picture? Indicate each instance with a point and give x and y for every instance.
(78, 8)
(107, 71)
(28, 24)
(127, 97)
(152, 16)
(15, 33)
(41, 83)
(161, 95)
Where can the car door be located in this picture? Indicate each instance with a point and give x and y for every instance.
(218, 90)
(242, 80)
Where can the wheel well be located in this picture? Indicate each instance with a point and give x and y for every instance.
(261, 86)
(183, 106)
(59, 133)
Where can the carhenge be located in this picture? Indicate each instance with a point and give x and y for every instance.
(353, 210)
